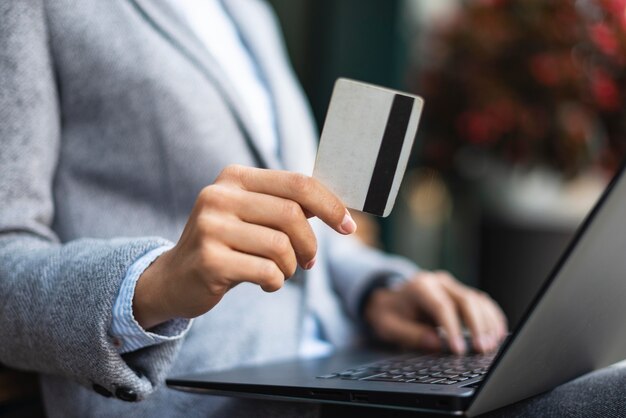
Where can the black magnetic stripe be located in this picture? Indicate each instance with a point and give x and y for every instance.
(388, 155)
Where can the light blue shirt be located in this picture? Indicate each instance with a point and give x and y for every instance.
(125, 331)
(213, 26)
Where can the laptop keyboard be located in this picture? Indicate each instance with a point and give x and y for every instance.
(437, 369)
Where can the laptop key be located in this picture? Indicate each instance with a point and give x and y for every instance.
(428, 380)
(445, 382)
(387, 379)
(360, 375)
(327, 376)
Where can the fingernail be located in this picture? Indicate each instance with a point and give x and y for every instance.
(485, 343)
(310, 264)
(348, 226)
(458, 345)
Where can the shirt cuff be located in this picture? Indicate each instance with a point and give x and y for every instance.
(381, 281)
(394, 274)
(126, 333)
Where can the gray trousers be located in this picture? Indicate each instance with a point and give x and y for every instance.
(598, 394)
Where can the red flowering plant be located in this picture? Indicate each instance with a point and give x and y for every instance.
(528, 82)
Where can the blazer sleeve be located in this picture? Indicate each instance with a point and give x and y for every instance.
(55, 298)
(354, 267)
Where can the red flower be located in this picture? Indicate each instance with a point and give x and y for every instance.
(605, 91)
(604, 38)
(531, 82)
(617, 9)
(615, 6)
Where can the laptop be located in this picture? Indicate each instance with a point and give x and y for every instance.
(570, 328)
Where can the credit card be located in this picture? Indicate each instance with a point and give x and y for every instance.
(366, 143)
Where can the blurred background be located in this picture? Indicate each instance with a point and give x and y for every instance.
(523, 124)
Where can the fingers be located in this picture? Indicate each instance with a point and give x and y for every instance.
(472, 313)
(309, 193)
(249, 226)
(431, 297)
(494, 319)
(227, 202)
(478, 311)
(473, 316)
(496, 312)
(233, 267)
(283, 215)
(438, 300)
(256, 240)
(407, 333)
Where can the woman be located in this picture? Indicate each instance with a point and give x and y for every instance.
(154, 156)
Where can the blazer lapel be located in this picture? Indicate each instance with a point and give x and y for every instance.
(296, 129)
(171, 26)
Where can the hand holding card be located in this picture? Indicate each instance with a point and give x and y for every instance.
(366, 143)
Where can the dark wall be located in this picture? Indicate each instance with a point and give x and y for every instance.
(328, 39)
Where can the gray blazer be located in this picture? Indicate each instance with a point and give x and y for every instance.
(112, 118)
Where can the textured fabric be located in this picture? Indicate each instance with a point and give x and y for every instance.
(114, 117)
(600, 394)
(214, 28)
(56, 298)
(129, 335)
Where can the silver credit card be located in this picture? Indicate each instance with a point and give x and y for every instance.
(366, 143)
